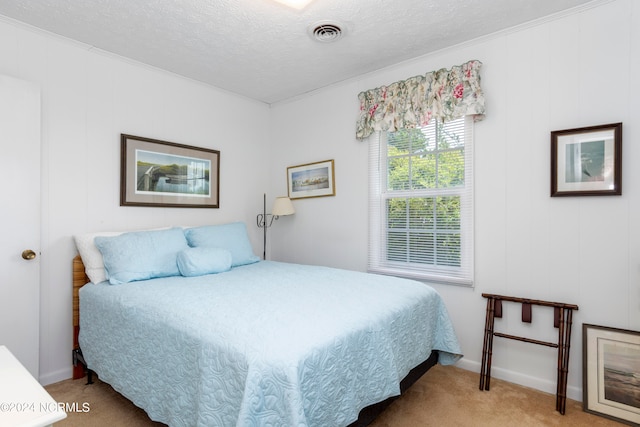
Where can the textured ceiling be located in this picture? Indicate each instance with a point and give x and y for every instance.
(262, 49)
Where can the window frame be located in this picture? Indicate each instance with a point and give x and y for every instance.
(378, 196)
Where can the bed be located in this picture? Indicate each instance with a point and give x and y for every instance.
(232, 340)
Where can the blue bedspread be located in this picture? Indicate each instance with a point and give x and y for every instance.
(267, 344)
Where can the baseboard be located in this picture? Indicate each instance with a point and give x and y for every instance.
(57, 376)
(574, 393)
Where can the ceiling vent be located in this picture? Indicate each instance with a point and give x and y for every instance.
(326, 31)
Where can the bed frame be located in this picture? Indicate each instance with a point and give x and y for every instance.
(366, 416)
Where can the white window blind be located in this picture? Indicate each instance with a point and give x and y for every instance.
(421, 202)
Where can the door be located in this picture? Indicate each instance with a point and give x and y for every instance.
(20, 220)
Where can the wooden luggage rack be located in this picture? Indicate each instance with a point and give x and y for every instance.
(563, 314)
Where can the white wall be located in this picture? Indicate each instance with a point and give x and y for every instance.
(88, 99)
(571, 71)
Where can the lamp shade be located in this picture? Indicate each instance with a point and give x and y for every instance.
(282, 206)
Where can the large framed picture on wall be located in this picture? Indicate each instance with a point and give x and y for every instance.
(165, 174)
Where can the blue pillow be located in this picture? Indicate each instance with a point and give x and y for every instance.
(201, 261)
(232, 237)
(141, 255)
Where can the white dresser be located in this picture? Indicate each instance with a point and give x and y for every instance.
(23, 401)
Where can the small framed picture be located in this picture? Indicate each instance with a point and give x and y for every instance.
(611, 373)
(587, 161)
(311, 180)
(166, 174)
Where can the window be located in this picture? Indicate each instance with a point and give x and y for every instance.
(421, 202)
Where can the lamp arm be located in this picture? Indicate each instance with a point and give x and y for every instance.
(265, 220)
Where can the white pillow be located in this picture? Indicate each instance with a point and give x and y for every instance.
(91, 256)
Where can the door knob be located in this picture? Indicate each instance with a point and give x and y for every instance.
(28, 254)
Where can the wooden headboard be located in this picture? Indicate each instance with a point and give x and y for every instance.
(79, 280)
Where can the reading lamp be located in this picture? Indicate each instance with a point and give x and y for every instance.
(281, 206)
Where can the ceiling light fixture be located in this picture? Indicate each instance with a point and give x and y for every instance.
(326, 31)
(295, 4)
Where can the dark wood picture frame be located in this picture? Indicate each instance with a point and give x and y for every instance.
(165, 174)
(587, 161)
(611, 373)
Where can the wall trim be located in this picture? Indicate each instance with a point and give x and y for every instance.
(56, 376)
(546, 386)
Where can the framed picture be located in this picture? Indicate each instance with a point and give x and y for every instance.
(311, 180)
(611, 373)
(166, 174)
(587, 161)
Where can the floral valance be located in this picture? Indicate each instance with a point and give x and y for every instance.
(443, 94)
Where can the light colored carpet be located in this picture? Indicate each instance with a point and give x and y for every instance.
(444, 396)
